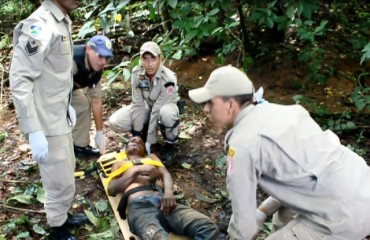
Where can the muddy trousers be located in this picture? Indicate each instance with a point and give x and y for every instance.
(81, 102)
(57, 175)
(148, 222)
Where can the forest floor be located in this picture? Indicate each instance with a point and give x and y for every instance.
(199, 169)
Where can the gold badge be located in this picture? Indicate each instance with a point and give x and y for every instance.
(230, 161)
(231, 152)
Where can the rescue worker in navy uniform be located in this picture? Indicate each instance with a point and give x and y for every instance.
(41, 85)
(89, 63)
(284, 151)
(154, 103)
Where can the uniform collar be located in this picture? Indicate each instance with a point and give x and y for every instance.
(245, 111)
(158, 75)
(55, 10)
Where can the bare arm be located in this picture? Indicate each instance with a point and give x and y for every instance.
(97, 109)
(168, 200)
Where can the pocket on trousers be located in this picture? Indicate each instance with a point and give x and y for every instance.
(302, 232)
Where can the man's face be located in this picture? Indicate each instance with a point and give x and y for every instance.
(217, 111)
(67, 5)
(135, 146)
(96, 62)
(150, 63)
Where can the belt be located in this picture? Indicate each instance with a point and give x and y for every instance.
(123, 202)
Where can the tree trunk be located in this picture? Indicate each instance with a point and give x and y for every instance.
(244, 33)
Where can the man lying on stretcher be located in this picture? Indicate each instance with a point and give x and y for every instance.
(149, 202)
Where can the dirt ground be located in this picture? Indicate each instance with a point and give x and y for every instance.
(199, 170)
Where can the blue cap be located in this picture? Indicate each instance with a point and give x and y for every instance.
(102, 45)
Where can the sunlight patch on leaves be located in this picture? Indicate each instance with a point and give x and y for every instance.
(23, 235)
(91, 217)
(22, 198)
(40, 195)
(186, 165)
(366, 53)
(103, 235)
(38, 229)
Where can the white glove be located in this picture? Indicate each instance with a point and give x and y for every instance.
(72, 115)
(100, 141)
(39, 146)
(261, 217)
(147, 147)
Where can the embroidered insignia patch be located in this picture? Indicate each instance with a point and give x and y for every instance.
(32, 47)
(142, 77)
(35, 30)
(108, 44)
(230, 156)
(170, 90)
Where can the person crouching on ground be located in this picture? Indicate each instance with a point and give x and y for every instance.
(284, 151)
(154, 103)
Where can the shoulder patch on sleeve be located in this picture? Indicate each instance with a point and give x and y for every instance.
(35, 30)
(32, 46)
(170, 88)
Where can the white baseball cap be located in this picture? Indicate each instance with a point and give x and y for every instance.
(224, 82)
(151, 47)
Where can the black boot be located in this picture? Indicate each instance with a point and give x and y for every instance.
(77, 220)
(86, 151)
(168, 154)
(61, 233)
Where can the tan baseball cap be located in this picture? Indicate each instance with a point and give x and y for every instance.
(224, 81)
(151, 47)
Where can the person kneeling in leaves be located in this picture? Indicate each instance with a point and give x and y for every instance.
(149, 201)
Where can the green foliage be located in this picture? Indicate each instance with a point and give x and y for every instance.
(361, 98)
(311, 104)
(228, 46)
(3, 136)
(366, 53)
(284, 15)
(307, 32)
(360, 151)
(195, 22)
(17, 226)
(341, 124)
(114, 94)
(122, 70)
(15, 10)
(103, 16)
(265, 16)
(314, 58)
(5, 41)
(221, 165)
(30, 195)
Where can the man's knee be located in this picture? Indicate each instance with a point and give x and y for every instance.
(153, 232)
(206, 230)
